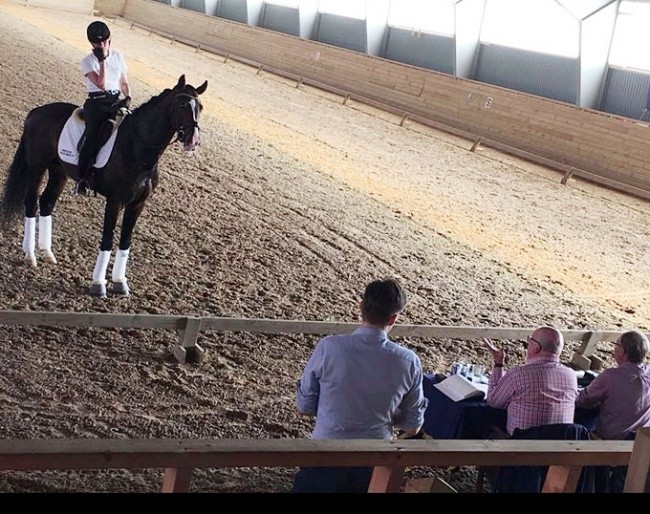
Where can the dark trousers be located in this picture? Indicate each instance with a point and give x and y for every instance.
(96, 112)
(332, 480)
(611, 479)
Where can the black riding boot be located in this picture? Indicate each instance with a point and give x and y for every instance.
(86, 158)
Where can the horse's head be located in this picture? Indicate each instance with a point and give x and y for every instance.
(186, 111)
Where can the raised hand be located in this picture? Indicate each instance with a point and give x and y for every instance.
(498, 354)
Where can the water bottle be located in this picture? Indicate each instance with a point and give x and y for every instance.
(463, 369)
(455, 368)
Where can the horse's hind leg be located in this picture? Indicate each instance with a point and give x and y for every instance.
(31, 205)
(55, 184)
(131, 214)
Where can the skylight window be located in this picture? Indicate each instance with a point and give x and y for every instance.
(538, 26)
(347, 8)
(434, 16)
(631, 37)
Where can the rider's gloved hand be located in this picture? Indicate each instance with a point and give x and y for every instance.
(99, 53)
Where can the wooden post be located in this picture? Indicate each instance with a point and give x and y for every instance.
(568, 175)
(259, 70)
(581, 358)
(404, 118)
(562, 479)
(476, 145)
(177, 480)
(299, 82)
(386, 479)
(347, 97)
(637, 472)
(226, 59)
(188, 350)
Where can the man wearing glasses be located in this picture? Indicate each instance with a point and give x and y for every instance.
(542, 391)
(622, 395)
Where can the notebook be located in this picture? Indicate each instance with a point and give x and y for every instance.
(458, 388)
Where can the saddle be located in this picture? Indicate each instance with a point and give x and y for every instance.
(73, 135)
(107, 127)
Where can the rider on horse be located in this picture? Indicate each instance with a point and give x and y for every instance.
(104, 72)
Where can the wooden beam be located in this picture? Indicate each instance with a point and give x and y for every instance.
(48, 454)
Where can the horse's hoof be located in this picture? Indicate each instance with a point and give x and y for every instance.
(121, 288)
(30, 260)
(98, 290)
(48, 257)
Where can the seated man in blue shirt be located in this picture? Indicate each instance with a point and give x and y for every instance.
(361, 386)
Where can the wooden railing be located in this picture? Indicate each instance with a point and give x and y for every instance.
(389, 458)
(190, 327)
(179, 457)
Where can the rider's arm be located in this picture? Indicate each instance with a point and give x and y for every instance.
(98, 79)
(124, 85)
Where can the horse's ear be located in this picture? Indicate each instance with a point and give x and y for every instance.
(201, 89)
(181, 81)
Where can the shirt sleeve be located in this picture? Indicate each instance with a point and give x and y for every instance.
(595, 393)
(308, 387)
(501, 388)
(410, 414)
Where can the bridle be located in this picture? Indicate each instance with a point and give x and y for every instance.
(181, 129)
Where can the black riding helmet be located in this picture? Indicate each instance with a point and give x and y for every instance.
(97, 32)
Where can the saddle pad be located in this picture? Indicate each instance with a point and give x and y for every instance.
(71, 134)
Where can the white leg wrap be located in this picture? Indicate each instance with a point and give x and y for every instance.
(45, 233)
(99, 273)
(29, 240)
(119, 266)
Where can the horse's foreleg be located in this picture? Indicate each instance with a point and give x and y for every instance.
(98, 286)
(120, 285)
(29, 242)
(111, 213)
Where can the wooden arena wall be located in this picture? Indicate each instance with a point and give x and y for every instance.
(609, 149)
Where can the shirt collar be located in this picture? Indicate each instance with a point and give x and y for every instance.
(544, 358)
(371, 333)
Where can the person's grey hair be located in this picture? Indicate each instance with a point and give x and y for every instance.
(550, 339)
(635, 344)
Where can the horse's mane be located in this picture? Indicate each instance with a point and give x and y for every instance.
(154, 101)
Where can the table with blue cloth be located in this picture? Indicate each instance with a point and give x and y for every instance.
(471, 418)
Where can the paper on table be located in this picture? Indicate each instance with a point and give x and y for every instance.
(457, 387)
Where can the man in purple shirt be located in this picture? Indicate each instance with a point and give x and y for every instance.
(361, 386)
(623, 396)
(542, 391)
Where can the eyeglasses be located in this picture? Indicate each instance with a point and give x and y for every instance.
(529, 339)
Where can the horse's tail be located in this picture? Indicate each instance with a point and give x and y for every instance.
(16, 183)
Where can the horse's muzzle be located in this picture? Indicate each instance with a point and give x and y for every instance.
(190, 137)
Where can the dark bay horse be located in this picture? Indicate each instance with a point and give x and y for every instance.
(126, 180)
